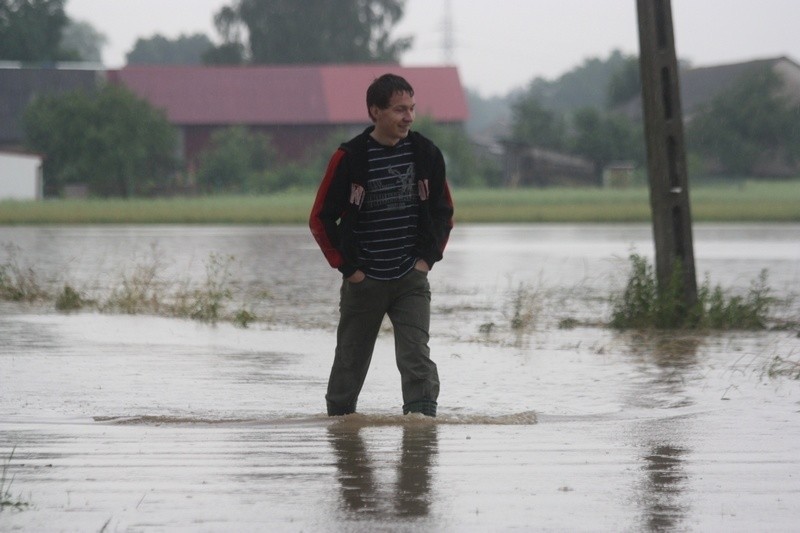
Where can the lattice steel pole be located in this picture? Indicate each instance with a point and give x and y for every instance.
(666, 154)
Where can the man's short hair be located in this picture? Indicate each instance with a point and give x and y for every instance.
(382, 89)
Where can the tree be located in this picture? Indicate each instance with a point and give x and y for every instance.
(225, 54)
(112, 141)
(748, 121)
(604, 138)
(487, 114)
(237, 162)
(81, 40)
(231, 51)
(532, 124)
(464, 165)
(30, 30)
(342, 31)
(583, 86)
(625, 83)
(159, 50)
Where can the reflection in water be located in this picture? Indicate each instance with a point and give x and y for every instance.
(414, 470)
(678, 352)
(356, 473)
(667, 363)
(361, 492)
(666, 480)
(224, 429)
(667, 350)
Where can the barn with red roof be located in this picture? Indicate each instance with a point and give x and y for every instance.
(297, 106)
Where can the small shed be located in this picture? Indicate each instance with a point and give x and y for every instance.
(20, 176)
(526, 166)
(619, 174)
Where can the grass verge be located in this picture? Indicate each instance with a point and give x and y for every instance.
(748, 201)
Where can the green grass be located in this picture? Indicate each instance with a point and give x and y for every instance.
(774, 201)
(289, 208)
(743, 201)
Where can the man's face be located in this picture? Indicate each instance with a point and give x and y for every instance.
(394, 122)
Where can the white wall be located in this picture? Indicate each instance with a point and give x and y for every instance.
(20, 177)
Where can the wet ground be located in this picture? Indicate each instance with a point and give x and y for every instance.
(146, 423)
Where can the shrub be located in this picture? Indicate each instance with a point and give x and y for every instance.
(737, 312)
(243, 317)
(643, 304)
(111, 140)
(69, 300)
(236, 162)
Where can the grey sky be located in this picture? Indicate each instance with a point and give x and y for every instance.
(503, 44)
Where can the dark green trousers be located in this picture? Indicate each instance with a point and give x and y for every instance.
(407, 302)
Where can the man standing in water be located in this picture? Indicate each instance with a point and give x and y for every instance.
(382, 217)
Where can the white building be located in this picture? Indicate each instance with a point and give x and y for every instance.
(20, 176)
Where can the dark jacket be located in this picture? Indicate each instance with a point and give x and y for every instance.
(336, 208)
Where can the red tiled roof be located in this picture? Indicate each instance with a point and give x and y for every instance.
(286, 95)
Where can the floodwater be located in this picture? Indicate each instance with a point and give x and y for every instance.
(151, 423)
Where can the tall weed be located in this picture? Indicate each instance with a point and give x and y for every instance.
(525, 306)
(207, 303)
(70, 299)
(139, 291)
(644, 305)
(7, 500)
(783, 367)
(18, 283)
(750, 311)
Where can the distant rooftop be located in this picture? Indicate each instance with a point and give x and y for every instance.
(700, 85)
(286, 95)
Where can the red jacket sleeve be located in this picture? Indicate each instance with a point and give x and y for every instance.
(329, 205)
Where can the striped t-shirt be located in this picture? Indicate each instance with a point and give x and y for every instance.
(387, 223)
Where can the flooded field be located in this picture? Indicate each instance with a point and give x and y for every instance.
(120, 422)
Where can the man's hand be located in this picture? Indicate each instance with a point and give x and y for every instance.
(357, 277)
(422, 266)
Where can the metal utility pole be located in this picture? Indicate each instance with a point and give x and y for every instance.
(666, 154)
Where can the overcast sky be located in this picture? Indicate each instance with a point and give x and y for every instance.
(500, 45)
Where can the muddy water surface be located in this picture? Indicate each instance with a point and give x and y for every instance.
(147, 423)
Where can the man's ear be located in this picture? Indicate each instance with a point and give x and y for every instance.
(373, 112)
